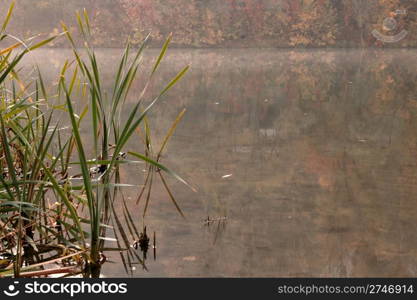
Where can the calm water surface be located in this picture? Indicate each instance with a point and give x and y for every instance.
(310, 155)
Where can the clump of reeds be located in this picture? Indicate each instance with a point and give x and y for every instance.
(42, 231)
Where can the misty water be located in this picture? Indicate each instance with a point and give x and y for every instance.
(307, 158)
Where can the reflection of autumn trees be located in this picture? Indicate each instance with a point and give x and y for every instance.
(258, 88)
(343, 172)
(321, 146)
(339, 97)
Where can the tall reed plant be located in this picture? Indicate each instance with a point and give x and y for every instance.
(41, 197)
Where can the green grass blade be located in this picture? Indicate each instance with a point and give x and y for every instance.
(170, 133)
(171, 196)
(162, 53)
(162, 167)
(8, 16)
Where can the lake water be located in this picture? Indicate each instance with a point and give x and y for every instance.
(311, 156)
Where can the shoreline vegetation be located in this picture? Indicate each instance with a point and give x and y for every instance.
(57, 204)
